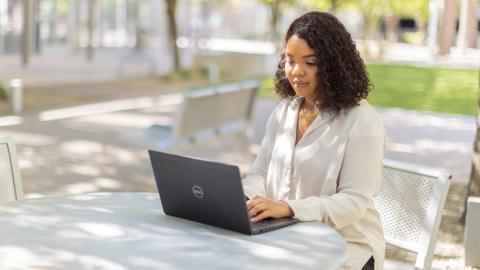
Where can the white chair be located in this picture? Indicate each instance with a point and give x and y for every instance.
(10, 181)
(410, 203)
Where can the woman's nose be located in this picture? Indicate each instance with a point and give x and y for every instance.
(298, 70)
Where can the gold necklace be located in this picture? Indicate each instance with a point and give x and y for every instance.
(309, 115)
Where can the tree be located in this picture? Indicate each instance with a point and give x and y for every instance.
(371, 11)
(446, 27)
(417, 9)
(474, 182)
(275, 7)
(331, 6)
(172, 30)
(91, 24)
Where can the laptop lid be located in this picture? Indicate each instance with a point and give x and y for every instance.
(202, 191)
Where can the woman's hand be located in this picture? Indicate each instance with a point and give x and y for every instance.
(260, 208)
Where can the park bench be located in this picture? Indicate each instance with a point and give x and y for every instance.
(207, 114)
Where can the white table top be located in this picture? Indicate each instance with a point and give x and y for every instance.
(118, 231)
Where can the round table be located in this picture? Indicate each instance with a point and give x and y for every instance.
(119, 231)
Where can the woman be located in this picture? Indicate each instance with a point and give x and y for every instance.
(321, 157)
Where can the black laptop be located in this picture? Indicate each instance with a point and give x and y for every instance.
(206, 192)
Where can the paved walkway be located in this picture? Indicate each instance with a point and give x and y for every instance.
(59, 65)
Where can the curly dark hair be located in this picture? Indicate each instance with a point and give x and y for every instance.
(342, 78)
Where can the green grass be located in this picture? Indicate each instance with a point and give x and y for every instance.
(436, 89)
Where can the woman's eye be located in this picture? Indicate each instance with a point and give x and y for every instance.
(311, 63)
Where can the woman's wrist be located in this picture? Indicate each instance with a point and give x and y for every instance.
(288, 209)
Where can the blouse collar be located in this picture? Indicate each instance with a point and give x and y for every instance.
(320, 120)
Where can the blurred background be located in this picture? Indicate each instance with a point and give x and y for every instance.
(180, 35)
(79, 78)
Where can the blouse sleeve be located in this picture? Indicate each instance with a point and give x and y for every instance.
(254, 183)
(358, 182)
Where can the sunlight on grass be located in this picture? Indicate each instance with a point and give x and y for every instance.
(450, 90)
(424, 88)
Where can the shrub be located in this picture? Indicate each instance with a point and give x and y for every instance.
(3, 92)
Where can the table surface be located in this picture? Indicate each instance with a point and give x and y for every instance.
(119, 231)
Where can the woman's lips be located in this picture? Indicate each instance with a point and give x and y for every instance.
(301, 84)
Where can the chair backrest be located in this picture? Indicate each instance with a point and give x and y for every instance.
(206, 111)
(10, 180)
(236, 103)
(198, 113)
(410, 203)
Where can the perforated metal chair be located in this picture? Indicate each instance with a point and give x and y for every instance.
(410, 203)
(10, 181)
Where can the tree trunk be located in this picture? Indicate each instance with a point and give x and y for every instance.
(172, 29)
(138, 30)
(467, 33)
(446, 30)
(275, 14)
(91, 28)
(367, 33)
(27, 31)
(474, 182)
(53, 22)
(334, 7)
(391, 27)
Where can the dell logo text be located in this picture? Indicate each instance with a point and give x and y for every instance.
(197, 192)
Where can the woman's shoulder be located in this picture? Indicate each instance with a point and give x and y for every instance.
(365, 118)
(281, 110)
(361, 111)
(285, 103)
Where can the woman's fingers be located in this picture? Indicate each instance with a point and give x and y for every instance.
(254, 201)
(260, 208)
(256, 208)
(261, 216)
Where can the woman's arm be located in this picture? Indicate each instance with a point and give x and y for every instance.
(254, 183)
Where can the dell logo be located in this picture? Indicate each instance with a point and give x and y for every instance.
(197, 192)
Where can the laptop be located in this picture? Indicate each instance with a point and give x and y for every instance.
(206, 192)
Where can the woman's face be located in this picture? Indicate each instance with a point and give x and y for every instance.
(301, 67)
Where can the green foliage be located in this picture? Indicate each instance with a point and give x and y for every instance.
(186, 74)
(62, 6)
(408, 8)
(3, 92)
(267, 88)
(374, 10)
(413, 37)
(281, 2)
(438, 89)
(330, 5)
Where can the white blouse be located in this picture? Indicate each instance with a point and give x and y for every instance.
(331, 175)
